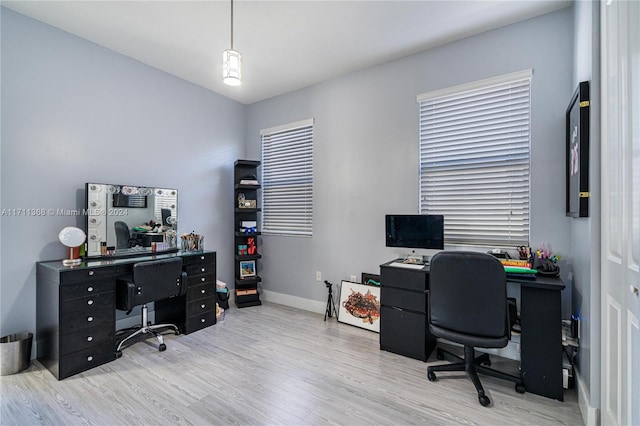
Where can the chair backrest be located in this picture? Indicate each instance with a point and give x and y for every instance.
(157, 280)
(166, 214)
(467, 295)
(122, 235)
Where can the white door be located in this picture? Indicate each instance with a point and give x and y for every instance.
(620, 172)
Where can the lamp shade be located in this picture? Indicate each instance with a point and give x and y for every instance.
(72, 237)
(232, 67)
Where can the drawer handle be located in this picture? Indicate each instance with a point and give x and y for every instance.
(201, 257)
(203, 269)
(89, 302)
(90, 273)
(90, 339)
(203, 320)
(89, 319)
(203, 291)
(90, 289)
(203, 306)
(89, 358)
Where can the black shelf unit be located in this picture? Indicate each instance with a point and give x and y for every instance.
(246, 289)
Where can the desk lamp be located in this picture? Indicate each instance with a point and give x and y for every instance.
(72, 237)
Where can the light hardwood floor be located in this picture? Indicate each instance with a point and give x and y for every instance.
(270, 365)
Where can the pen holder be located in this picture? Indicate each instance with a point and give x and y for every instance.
(192, 242)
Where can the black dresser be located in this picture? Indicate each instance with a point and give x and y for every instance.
(75, 308)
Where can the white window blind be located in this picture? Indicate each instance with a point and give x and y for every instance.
(474, 160)
(165, 199)
(287, 179)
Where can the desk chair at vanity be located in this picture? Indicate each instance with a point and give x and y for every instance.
(149, 282)
(123, 235)
(468, 305)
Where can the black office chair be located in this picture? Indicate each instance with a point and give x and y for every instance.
(123, 236)
(150, 281)
(468, 305)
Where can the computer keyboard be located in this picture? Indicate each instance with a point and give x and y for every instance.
(408, 265)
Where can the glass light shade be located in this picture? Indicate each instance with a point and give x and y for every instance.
(232, 67)
(71, 237)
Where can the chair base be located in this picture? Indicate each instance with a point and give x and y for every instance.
(145, 328)
(472, 365)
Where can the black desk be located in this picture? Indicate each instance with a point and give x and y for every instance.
(404, 330)
(75, 308)
(146, 238)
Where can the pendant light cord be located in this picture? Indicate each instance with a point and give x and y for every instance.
(231, 24)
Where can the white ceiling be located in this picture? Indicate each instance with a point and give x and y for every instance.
(286, 45)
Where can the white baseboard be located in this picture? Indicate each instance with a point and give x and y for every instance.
(590, 414)
(294, 301)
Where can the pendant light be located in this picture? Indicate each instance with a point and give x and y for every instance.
(231, 62)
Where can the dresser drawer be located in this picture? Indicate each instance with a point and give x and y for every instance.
(87, 318)
(404, 299)
(201, 279)
(86, 288)
(86, 359)
(200, 269)
(86, 274)
(93, 301)
(408, 279)
(197, 322)
(208, 258)
(87, 338)
(200, 291)
(202, 305)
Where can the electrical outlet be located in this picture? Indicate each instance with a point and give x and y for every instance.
(353, 278)
(318, 276)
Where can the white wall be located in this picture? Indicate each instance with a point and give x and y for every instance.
(585, 232)
(366, 150)
(74, 112)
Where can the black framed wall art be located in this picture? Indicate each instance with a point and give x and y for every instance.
(577, 153)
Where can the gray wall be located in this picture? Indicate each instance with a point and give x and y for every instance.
(585, 232)
(366, 150)
(74, 112)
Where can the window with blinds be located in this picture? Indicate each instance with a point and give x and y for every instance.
(165, 199)
(287, 179)
(474, 160)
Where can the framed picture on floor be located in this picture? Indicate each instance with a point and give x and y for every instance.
(360, 305)
(370, 279)
(577, 153)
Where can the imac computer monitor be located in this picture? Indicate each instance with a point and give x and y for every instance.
(421, 233)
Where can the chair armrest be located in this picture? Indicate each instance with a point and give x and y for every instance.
(183, 284)
(125, 295)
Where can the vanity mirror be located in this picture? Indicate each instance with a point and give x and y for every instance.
(119, 216)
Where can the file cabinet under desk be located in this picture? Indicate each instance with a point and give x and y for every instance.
(404, 296)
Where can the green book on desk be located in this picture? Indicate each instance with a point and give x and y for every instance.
(519, 270)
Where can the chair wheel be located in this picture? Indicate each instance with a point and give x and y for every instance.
(118, 354)
(520, 388)
(431, 376)
(484, 400)
(162, 347)
(439, 354)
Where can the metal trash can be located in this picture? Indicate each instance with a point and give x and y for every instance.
(15, 353)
